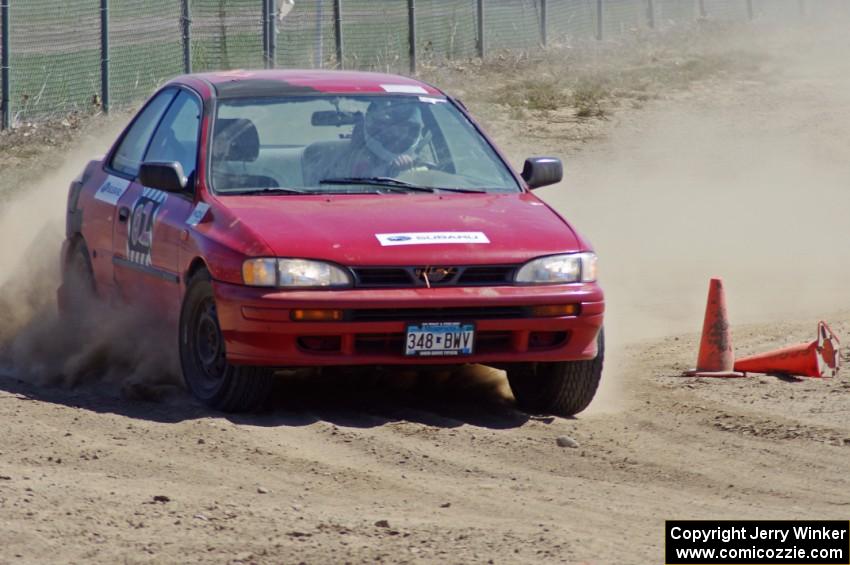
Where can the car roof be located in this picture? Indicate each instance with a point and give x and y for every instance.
(251, 83)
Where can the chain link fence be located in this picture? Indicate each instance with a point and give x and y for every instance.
(54, 55)
(83, 55)
(139, 30)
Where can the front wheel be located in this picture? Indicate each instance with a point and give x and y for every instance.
(562, 388)
(208, 375)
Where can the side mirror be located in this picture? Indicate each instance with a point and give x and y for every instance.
(163, 175)
(542, 171)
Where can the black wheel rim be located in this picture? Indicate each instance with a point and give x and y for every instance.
(207, 346)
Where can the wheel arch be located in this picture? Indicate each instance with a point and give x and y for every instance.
(73, 242)
(197, 265)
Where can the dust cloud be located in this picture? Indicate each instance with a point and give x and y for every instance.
(32, 229)
(745, 179)
(35, 344)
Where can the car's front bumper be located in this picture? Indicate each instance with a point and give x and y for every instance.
(258, 330)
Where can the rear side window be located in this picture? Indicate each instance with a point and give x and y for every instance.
(128, 157)
(176, 138)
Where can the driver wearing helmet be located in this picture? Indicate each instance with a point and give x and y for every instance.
(386, 142)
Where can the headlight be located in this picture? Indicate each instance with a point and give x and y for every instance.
(294, 273)
(559, 269)
(305, 273)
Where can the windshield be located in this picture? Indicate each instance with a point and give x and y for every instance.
(351, 144)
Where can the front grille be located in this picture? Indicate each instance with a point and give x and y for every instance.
(406, 277)
(435, 314)
(472, 276)
(382, 277)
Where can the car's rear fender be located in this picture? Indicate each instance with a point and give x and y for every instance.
(74, 214)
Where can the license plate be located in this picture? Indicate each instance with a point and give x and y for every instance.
(439, 339)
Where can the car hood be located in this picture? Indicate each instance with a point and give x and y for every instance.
(345, 228)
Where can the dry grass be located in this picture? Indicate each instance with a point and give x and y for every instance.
(588, 97)
(590, 80)
(545, 94)
(33, 149)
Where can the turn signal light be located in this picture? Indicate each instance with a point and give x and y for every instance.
(554, 310)
(317, 315)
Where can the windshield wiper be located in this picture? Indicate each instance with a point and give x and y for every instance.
(463, 190)
(399, 184)
(267, 190)
(380, 181)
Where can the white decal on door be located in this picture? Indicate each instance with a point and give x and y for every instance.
(141, 226)
(112, 189)
(198, 214)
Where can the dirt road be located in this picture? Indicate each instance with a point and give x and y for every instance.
(743, 178)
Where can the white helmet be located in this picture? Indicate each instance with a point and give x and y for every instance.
(392, 127)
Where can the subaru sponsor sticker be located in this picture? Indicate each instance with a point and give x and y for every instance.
(430, 238)
(404, 88)
(112, 189)
(198, 214)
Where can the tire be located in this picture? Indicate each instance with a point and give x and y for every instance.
(78, 284)
(563, 388)
(208, 375)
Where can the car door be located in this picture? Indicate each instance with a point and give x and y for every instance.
(149, 223)
(119, 172)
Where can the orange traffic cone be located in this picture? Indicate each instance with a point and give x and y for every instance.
(716, 354)
(817, 359)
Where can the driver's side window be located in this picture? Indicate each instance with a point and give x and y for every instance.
(128, 157)
(176, 138)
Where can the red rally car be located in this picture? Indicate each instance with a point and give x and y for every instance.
(284, 219)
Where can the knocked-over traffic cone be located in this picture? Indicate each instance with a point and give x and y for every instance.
(716, 354)
(817, 359)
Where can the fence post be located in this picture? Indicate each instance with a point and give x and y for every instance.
(411, 33)
(187, 37)
(265, 22)
(702, 12)
(750, 9)
(104, 55)
(802, 8)
(599, 20)
(650, 11)
(272, 30)
(544, 22)
(319, 53)
(338, 32)
(6, 118)
(480, 14)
